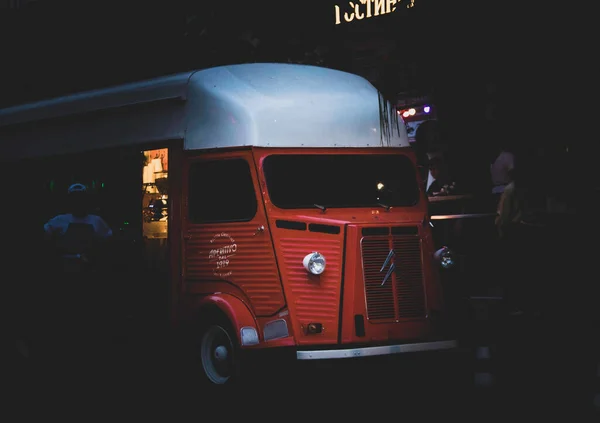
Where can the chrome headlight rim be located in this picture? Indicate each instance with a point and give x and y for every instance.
(445, 257)
(314, 263)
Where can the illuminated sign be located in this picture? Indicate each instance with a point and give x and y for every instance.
(361, 9)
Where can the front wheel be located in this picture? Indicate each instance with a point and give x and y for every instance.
(218, 355)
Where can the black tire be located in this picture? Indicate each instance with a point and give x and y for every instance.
(217, 353)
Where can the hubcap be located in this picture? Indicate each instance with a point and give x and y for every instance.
(221, 353)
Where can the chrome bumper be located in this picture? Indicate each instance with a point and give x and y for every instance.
(375, 351)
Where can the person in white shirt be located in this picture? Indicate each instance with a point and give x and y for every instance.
(76, 238)
(79, 222)
(77, 241)
(500, 170)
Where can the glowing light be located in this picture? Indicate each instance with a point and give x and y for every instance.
(380, 186)
(426, 109)
(405, 114)
(412, 112)
(364, 9)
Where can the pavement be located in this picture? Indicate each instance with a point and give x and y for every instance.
(511, 368)
(486, 381)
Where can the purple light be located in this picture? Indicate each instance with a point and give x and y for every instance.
(426, 109)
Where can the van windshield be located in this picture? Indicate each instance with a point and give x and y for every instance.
(366, 180)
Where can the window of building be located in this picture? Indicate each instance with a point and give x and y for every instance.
(156, 193)
(221, 191)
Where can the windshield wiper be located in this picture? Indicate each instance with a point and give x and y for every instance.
(323, 208)
(385, 206)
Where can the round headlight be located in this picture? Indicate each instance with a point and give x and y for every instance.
(314, 263)
(446, 257)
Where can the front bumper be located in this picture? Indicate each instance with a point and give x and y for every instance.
(328, 354)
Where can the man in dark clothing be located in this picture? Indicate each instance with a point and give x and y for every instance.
(438, 176)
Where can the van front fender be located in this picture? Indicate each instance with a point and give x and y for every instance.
(236, 311)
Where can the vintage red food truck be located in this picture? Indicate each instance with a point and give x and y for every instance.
(272, 206)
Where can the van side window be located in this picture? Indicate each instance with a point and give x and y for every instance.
(221, 191)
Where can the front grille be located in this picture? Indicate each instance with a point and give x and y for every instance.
(403, 295)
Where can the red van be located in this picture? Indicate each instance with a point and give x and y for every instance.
(273, 206)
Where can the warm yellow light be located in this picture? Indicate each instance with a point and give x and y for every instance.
(361, 9)
(379, 186)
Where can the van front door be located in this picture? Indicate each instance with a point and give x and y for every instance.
(227, 241)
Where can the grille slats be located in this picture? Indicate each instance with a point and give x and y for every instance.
(403, 295)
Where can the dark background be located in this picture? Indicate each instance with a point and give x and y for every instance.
(526, 60)
(519, 59)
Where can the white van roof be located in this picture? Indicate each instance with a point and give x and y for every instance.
(259, 104)
(287, 105)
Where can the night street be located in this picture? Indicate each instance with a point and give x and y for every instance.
(207, 204)
(487, 380)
